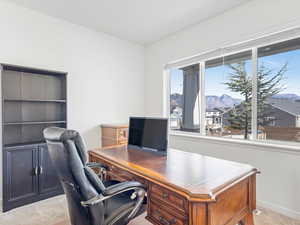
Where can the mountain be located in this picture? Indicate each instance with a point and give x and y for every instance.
(176, 100)
(287, 96)
(212, 101)
(224, 101)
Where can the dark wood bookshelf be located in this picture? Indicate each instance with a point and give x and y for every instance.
(32, 100)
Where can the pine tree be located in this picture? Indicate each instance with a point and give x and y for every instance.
(268, 85)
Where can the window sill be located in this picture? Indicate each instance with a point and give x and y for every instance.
(292, 148)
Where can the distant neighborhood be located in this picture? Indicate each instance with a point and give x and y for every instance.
(280, 119)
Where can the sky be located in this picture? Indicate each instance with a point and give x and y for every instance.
(216, 76)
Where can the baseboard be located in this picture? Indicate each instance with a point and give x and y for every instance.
(279, 209)
(1, 205)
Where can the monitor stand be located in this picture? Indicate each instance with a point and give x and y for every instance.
(145, 149)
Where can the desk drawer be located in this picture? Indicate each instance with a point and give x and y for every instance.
(122, 175)
(168, 197)
(162, 216)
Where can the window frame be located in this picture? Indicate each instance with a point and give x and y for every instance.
(200, 59)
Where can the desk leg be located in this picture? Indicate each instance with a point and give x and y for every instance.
(248, 220)
(198, 214)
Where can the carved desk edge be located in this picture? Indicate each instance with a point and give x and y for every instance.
(192, 197)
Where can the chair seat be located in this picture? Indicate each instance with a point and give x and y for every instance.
(119, 206)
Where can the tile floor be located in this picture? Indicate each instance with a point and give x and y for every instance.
(54, 212)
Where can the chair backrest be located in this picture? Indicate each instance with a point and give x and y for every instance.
(69, 156)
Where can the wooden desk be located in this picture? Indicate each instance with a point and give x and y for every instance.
(186, 188)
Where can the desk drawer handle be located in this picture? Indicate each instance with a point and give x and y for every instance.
(166, 222)
(163, 220)
(165, 195)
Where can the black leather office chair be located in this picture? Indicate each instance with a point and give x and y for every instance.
(90, 201)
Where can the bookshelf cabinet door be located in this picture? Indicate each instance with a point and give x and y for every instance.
(48, 179)
(20, 176)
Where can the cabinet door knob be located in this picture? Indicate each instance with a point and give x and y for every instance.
(35, 171)
(40, 170)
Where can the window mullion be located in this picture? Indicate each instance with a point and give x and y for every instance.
(167, 93)
(201, 98)
(254, 94)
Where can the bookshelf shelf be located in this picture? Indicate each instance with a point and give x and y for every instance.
(25, 143)
(34, 122)
(36, 100)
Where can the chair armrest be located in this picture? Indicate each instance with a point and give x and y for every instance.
(96, 165)
(139, 192)
(122, 187)
(102, 168)
(115, 190)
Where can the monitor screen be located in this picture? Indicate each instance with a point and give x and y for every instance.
(149, 133)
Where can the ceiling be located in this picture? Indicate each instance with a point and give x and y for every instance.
(141, 21)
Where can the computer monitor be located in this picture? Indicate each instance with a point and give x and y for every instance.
(148, 133)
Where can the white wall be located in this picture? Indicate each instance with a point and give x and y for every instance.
(279, 185)
(105, 74)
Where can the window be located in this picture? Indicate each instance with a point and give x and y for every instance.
(278, 102)
(228, 95)
(184, 99)
(252, 94)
